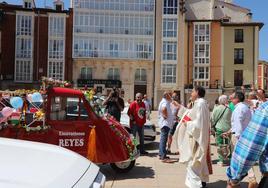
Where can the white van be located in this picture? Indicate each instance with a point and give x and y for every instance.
(27, 164)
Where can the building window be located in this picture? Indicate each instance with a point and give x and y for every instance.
(239, 35)
(86, 73)
(201, 73)
(113, 74)
(56, 49)
(169, 50)
(170, 6)
(56, 70)
(238, 56)
(129, 24)
(134, 5)
(144, 51)
(59, 7)
(24, 48)
(113, 23)
(201, 53)
(56, 26)
(201, 76)
(24, 25)
(140, 75)
(114, 49)
(169, 27)
(23, 71)
(56, 46)
(169, 73)
(202, 32)
(202, 43)
(27, 4)
(238, 77)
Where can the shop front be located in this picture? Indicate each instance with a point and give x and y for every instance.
(102, 86)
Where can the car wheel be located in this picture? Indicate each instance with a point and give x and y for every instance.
(123, 167)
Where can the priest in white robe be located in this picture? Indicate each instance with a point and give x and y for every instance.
(193, 136)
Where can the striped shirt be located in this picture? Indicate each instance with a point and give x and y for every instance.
(252, 146)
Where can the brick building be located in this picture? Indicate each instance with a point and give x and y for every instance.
(35, 42)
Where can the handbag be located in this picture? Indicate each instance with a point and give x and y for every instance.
(214, 125)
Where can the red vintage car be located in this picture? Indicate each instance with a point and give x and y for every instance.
(71, 122)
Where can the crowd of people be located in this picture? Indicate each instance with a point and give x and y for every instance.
(238, 122)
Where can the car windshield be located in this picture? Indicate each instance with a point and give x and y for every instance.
(73, 107)
(68, 108)
(96, 105)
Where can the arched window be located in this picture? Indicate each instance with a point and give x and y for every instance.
(86, 73)
(140, 75)
(113, 74)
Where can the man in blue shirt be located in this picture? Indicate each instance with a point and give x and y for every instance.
(251, 147)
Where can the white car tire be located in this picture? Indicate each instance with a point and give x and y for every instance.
(123, 167)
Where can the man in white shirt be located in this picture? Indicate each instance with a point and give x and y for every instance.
(240, 119)
(241, 115)
(165, 122)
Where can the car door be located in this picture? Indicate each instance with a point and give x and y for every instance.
(70, 123)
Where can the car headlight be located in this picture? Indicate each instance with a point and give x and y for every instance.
(99, 181)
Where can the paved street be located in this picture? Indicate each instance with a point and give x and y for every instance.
(150, 172)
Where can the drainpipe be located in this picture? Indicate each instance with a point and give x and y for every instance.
(188, 54)
(37, 45)
(188, 61)
(153, 89)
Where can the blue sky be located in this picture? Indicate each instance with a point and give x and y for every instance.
(257, 7)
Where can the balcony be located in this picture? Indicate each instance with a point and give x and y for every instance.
(238, 61)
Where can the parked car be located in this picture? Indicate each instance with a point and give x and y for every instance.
(149, 127)
(69, 121)
(33, 164)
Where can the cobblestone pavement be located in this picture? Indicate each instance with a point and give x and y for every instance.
(150, 172)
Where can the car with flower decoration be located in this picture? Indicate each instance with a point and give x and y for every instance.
(77, 127)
